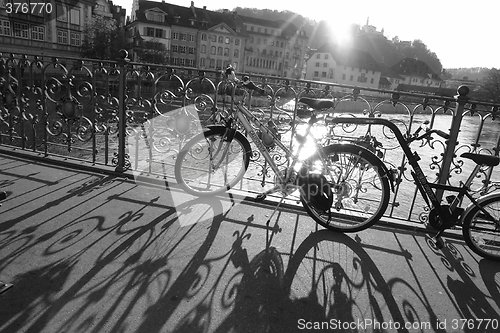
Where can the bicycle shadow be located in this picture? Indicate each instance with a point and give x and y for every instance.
(472, 302)
(314, 288)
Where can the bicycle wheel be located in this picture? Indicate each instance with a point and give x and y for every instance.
(482, 232)
(208, 164)
(355, 180)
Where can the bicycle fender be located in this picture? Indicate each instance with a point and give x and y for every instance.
(479, 201)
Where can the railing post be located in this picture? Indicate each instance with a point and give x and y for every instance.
(451, 143)
(122, 116)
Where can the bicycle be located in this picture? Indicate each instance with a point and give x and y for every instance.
(217, 159)
(480, 220)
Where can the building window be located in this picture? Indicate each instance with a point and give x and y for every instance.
(317, 64)
(343, 77)
(236, 53)
(212, 63)
(202, 62)
(323, 74)
(182, 36)
(362, 78)
(62, 37)
(237, 41)
(203, 49)
(190, 62)
(175, 35)
(213, 50)
(150, 32)
(75, 39)
(226, 52)
(62, 13)
(4, 28)
(157, 17)
(221, 40)
(21, 30)
(182, 49)
(219, 51)
(182, 62)
(74, 16)
(214, 38)
(191, 50)
(159, 33)
(204, 37)
(174, 48)
(37, 32)
(318, 56)
(227, 40)
(191, 38)
(316, 74)
(326, 56)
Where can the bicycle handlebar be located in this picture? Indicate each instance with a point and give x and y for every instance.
(245, 83)
(442, 134)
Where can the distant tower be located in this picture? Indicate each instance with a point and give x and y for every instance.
(135, 6)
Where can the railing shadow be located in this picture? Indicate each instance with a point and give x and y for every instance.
(144, 253)
(140, 271)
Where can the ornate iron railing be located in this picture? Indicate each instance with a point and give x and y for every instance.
(136, 117)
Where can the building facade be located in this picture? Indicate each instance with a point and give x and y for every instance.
(274, 47)
(56, 29)
(197, 37)
(350, 67)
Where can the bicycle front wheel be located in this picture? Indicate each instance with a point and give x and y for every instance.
(210, 164)
(481, 231)
(353, 182)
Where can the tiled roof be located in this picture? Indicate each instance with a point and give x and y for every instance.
(288, 28)
(183, 16)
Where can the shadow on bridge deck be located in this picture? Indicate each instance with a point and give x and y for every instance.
(91, 252)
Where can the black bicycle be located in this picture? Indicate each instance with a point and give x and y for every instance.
(480, 220)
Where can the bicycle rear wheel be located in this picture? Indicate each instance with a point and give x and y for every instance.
(209, 164)
(358, 183)
(482, 232)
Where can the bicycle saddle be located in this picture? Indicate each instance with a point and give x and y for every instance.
(482, 159)
(317, 103)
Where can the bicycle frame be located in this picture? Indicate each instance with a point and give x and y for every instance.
(424, 186)
(245, 118)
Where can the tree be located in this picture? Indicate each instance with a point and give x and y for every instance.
(418, 50)
(104, 39)
(490, 86)
(153, 52)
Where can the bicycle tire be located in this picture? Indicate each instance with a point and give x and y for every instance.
(474, 221)
(193, 165)
(350, 212)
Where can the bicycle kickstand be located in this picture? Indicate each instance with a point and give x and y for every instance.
(274, 230)
(438, 240)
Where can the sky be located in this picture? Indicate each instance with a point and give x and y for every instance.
(461, 33)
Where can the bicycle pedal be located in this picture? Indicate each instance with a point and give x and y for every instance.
(260, 197)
